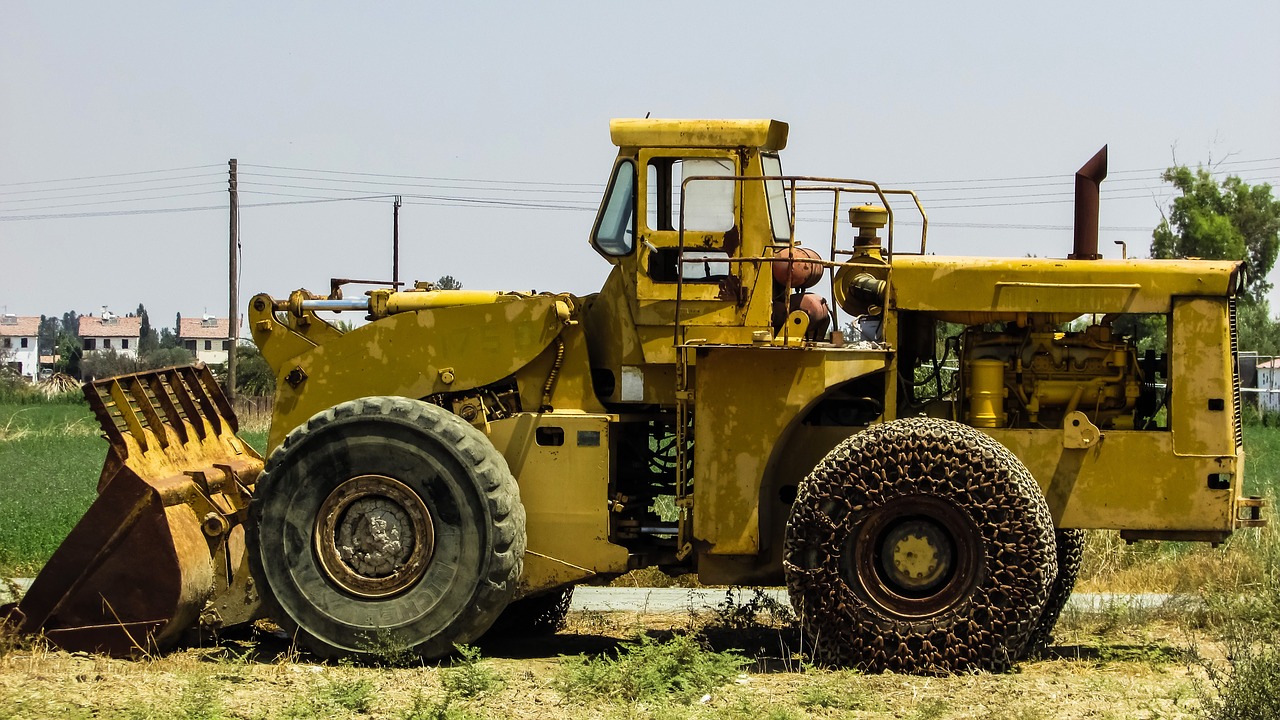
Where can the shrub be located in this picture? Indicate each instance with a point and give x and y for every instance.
(468, 677)
(645, 669)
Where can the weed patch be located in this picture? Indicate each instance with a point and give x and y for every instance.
(354, 694)
(200, 700)
(469, 677)
(1246, 689)
(384, 650)
(761, 609)
(421, 708)
(839, 690)
(678, 669)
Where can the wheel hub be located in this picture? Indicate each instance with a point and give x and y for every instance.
(913, 557)
(374, 536)
(916, 555)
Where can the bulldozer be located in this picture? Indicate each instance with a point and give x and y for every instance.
(911, 443)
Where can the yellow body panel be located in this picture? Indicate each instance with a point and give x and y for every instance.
(470, 346)
(746, 400)
(1203, 420)
(644, 132)
(1045, 285)
(568, 537)
(1129, 480)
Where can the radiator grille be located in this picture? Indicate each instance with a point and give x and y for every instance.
(1235, 373)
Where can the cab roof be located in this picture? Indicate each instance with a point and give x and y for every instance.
(654, 132)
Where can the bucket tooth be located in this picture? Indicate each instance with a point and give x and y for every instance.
(161, 550)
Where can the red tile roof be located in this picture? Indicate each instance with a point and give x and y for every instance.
(192, 328)
(11, 326)
(94, 327)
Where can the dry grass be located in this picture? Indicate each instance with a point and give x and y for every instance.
(1120, 674)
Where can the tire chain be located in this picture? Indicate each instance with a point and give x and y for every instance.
(507, 516)
(921, 456)
(1070, 556)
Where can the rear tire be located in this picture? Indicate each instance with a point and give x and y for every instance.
(1070, 554)
(386, 521)
(920, 545)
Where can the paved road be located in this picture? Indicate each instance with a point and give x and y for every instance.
(667, 600)
(661, 600)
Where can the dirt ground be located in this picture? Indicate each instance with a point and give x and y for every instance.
(1095, 670)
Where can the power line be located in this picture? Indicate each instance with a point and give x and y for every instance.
(113, 192)
(162, 211)
(102, 185)
(596, 189)
(110, 213)
(113, 202)
(114, 175)
(423, 177)
(530, 187)
(1072, 175)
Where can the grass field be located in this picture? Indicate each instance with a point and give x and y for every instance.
(50, 459)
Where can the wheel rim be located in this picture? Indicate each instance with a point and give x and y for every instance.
(374, 536)
(915, 557)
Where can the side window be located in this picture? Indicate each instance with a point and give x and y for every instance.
(708, 203)
(124, 343)
(779, 213)
(615, 229)
(708, 268)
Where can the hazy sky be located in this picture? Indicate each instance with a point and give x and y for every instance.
(499, 114)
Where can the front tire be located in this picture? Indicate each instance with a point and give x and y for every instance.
(386, 521)
(920, 545)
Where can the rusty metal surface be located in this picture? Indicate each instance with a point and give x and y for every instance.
(1088, 181)
(161, 550)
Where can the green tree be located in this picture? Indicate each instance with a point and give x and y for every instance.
(107, 363)
(71, 324)
(47, 341)
(253, 374)
(168, 339)
(1231, 220)
(69, 354)
(448, 282)
(162, 357)
(148, 341)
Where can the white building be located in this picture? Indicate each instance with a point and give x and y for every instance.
(1269, 385)
(18, 344)
(110, 332)
(207, 338)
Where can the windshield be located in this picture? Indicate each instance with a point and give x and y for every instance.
(615, 227)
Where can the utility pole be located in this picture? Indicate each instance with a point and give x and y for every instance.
(233, 317)
(395, 245)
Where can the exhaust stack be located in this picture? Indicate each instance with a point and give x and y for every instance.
(1088, 180)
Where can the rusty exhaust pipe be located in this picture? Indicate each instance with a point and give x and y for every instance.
(1088, 181)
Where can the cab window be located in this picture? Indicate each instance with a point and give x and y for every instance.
(708, 203)
(615, 229)
(779, 213)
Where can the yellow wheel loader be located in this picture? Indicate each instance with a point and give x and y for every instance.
(911, 443)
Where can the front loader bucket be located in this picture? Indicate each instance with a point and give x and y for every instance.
(161, 551)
